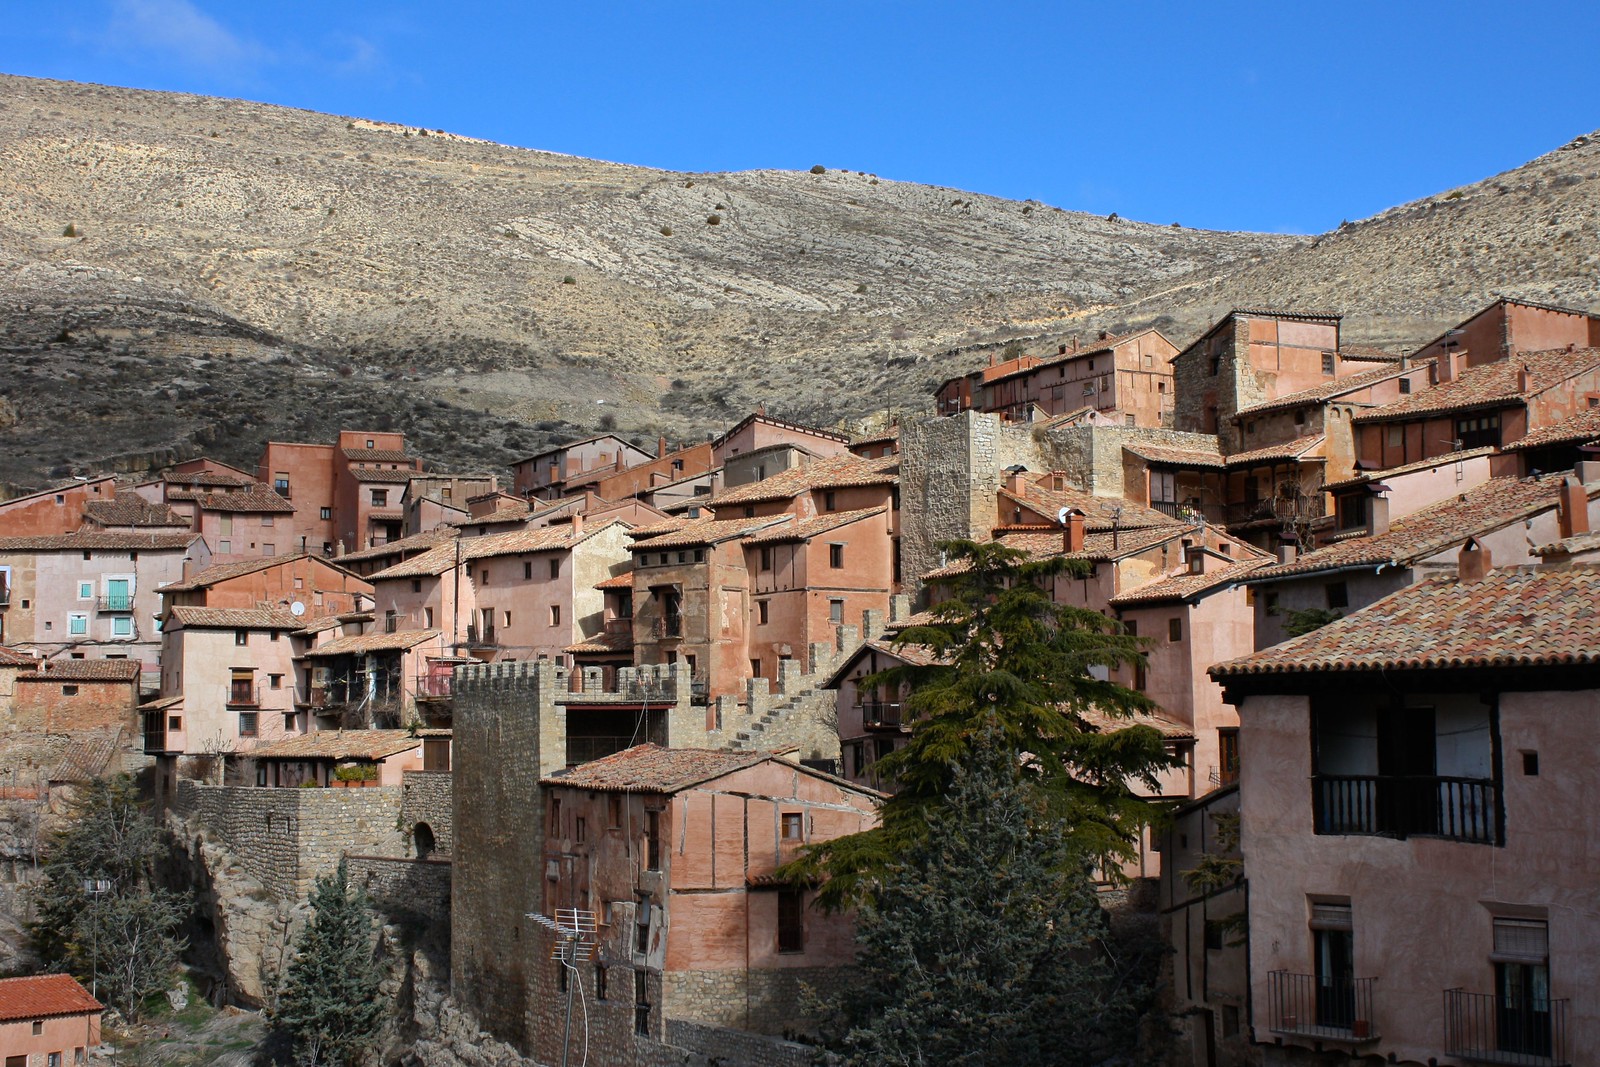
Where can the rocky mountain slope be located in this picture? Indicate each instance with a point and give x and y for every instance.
(181, 273)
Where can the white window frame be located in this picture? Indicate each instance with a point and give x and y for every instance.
(85, 590)
(72, 618)
(122, 626)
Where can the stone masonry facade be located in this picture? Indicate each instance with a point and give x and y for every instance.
(426, 797)
(763, 1001)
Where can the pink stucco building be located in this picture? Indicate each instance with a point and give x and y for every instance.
(47, 1020)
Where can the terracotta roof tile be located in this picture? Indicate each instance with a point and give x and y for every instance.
(653, 769)
(212, 478)
(617, 581)
(414, 543)
(913, 655)
(835, 472)
(604, 641)
(707, 531)
(1100, 513)
(1304, 449)
(1407, 468)
(1582, 428)
(444, 556)
(223, 572)
(1568, 546)
(1435, 528)
(84, 670)
(1097, 547)
(378, 455)
(1367, 353)
(86, 758)
(1326, 390)
(255, 498)
(881, 438)
(107, 540)
(339, 744)
(782, 423)
(10, 657)
(131, 509)
(1490, 385)
(1183, 457)
(1168, 726)
(357, 644)
(1185, 586)
(201, 618)
(381, 474)
(812, 527)
(43, 995)
(656, 529)
(1518, 617)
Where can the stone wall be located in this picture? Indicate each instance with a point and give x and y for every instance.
(285, 838)
(1092, 456)
(427, 797)
(730, 1047)
(758, 1001)
(405, 887)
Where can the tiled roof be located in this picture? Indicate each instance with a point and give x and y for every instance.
(891, 434)
(913, 655)
(835, 472)
(1184, 586)
(617, 581)
(162, 703)
(1097, 547)
(1578, 429)
(200, 618)
(771, 421)
(414, 543)
(518, 512)
(1169, 727)
(1066, 418)
(83, 670)
(1100, 513)
(558, 449)
(1367, 353)
(1096, 347)
(131, 509)
(211, 478)
(1183, 457)
(106, 540)
(86, 758)
(812, 527)
(1408, 468)
(1585, 542)
(1435, 528)
(380, 474)
(1325, 391)
(1518, 617)
(653, 769)
(442, 557)
(339, 744)
(656, 529)
(223, 572)
(1301, 448)
(378, 455)
(357, 644)
(707, 531)
(330, 622)
(1489, 384)
(10, 657)
(43, 995)
(255, 498)
(604, 641)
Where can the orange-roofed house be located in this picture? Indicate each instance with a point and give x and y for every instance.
(1508, 328)
(760, 430)
(319, 586)
(1127, 377)
(53, 511)
(47, 1020)
(1416, 799)
(553, 473)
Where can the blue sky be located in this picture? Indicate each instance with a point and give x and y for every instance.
(1267, 116)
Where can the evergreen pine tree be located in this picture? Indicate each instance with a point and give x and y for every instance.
(330, 1005)
(983, 944)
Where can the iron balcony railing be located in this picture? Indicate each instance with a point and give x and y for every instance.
(879, 713)
(1321, 1006)
(670, 626)
(436, 686)
(116, 602)
(484, 638)
(1457, 809)
(244, 695)
(1525, 1031)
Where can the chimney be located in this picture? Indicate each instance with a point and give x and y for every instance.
(1377, 515)
(1524, 379)
(1104, 335)
(1061, 350)
(1076, 531)
(1572, 508)
(619, 464)
(1288, 549)
(1474, 561)
(1588, 470)
(761, 409)
(577, 525)
(1015, 482)
(661, 447)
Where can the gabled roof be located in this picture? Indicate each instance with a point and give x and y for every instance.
(10, 657)
(105, 540)
(83, 670)
(1496, 503)
(616, 581)
(1502, 301)
(604, 641)
(223, 572)
(415, 543)
(909, 654)
(558, 449)
(708, 531)
(1186, 586)
(1262, 313)
(1099, 547)
(250, 499)
(1582, 428)
(1109, 724)
(338, 745)
(1302, 449)
(1328, 390)
(1518, 617)
(358, 644)
(653, 769)
(755, 417)
(379, 455)
(445, 556)
(815, 526)
(1097, 347)
(1490, 385)
(1366, 477)
(382, 474)
(201, 618)
(834, 472)
(1181, 457)
(1100, 513)
(131, 509)
(42, 996)
(1367, 354)
(883, 437)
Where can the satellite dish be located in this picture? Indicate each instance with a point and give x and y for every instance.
(297, 609)
(1061, 516)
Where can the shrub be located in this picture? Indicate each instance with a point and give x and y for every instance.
(861, 288)
(666, 231)
(713, 220)
(569, 280)
(71, 230)
(819, 169)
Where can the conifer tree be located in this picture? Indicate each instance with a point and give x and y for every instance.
(330, 1006)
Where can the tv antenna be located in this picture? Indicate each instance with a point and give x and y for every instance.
(575, 943)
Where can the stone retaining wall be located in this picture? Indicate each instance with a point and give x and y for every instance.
(426, 796)
(405, 887)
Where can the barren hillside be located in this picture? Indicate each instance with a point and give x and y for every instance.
(181, 273)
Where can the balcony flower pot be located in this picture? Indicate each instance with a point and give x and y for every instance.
(1360, 1029)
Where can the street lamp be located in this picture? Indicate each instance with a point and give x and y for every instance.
(95, 888)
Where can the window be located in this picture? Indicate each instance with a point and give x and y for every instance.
(174, 722)
(699, 555)
(122, 626)
(1327, 363)
(791, 921)
(1333, 946)
(280, 485)
(241, 637)
(1479, 431)
(69, 690)
(836, 611)
(652, 839)
(761, 612)
(829, 502)
(555, 816)
(527, 570)
(836, 556)
(555, 615)
(247, 724)
(1338, 595)
(380, 498)
(641, 1003)
(580, 829)
(266, 520)
(224, 546)
(793, 826)
(555, 568)
(1405, 386)
(766, 559)
(289, 721)
(326, 514)
(1228, 754)
(614, 811)
(1530, 764)
(38, 1028)
(599, 981)
(1174, 629)
(85, 590)
(427, 618)
(1521, 959)
(77, 624)
(484, 576)
(755, 668)
(391, 622)
(641, 924)
(53, 1060)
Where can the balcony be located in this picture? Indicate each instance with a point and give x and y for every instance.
(244, 695)
(1401, 806)
(881, 715)
(1484, 1028)
(670, 626)
(436, 686)
(484, 638)
(1327, 1008)
(115, 602)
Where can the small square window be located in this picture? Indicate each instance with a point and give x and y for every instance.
(122, 626)
(326, 514)
(77, 625)
(241, 637)
(416, 585)
(266, 520)
(555, 615)
(836, 611)
(1327, 363)
(85, 590)
(829, 502)
(380, 498)
(1174, 629)
(275, 681)
(247, 724)
(794, 823)
(69, 690)
(1530, 764)
(836, 556)
(1338, 595)
(1405, 386)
